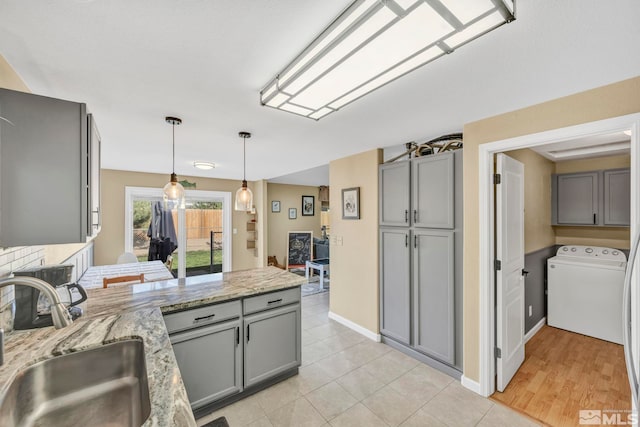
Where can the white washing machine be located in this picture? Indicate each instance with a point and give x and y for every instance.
(584, 291)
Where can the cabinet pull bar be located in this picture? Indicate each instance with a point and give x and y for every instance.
(415, 241)
(248, 332)
(275, 301)
(406, 215)
(237, 335)
(198, 319)
(406, 240)
(594, 219)
(415, 215)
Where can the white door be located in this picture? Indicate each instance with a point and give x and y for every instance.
(509, 278)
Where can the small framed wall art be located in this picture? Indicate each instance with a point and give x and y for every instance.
(293, 213)
(275, 206)
(351, 203)
(308, 205)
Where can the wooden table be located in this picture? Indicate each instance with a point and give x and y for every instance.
(152, 270)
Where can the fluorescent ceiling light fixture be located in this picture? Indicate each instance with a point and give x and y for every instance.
(374, 42)
(593, 150)
(204, 165)
(626, 132)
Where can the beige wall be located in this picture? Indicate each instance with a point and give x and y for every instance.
(613, 100)
(290, 196)
(538, 233)
(110, 242)
(9, 79)
(354, 261)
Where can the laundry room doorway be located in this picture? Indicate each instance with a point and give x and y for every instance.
(592, 364)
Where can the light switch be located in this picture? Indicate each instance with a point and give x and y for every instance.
(339, 240)
(235, 231)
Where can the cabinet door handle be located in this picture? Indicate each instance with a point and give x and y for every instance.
(406, 240)
(594, 219)
(237, 335)
(248, 332)
(406, 215)
(275, 301)
(199, 319)
(415, 216)
(415, 241)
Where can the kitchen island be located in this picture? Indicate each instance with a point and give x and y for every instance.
(136, 311)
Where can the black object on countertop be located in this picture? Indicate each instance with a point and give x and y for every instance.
(218, 422)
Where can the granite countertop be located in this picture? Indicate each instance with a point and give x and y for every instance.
(135, 311)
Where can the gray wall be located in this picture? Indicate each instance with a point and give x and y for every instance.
(535, 285)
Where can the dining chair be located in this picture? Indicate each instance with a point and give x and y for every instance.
(127, 258)
(120, 279)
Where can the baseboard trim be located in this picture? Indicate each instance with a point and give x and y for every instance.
(470, 384)
(535, 329)
(355, 327)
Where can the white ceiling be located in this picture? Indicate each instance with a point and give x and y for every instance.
(609, 144)
(134, 62)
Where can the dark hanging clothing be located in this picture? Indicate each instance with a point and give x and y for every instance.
(162, 232)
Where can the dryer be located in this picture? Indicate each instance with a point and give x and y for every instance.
(584, 291)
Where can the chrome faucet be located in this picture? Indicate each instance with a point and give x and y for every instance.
(59, 313)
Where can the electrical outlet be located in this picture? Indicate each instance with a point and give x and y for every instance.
(339, 240)
(530, 310)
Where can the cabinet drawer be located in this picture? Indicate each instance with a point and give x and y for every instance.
(271, 300)
(201, 316)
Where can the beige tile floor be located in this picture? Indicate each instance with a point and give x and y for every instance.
(347, 380)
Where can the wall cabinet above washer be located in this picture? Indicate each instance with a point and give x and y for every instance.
(596, 198)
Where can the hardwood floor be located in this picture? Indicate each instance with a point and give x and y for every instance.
(564, 372)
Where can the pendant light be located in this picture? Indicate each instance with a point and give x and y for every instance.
(244, 196)
(173, 192)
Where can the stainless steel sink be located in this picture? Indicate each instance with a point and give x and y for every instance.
(105, 386)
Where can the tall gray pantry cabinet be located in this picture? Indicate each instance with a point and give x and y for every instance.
(420, 218)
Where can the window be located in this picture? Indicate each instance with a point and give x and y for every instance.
(202, 229)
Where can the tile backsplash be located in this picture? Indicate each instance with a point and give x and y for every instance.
(12, 259)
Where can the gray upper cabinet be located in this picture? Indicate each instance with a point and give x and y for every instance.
(395, 284)
(576, 198)
(432, 184)
(617, 197)
(271, 343)
(596, 198)
(45, 171)
(94, 221)
(394, 193)
(433, 293)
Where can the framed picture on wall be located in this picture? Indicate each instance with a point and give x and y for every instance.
(275, 206)
(351, 203)
(308, 205)
(293, 213)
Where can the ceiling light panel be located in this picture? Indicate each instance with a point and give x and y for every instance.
(374, 42)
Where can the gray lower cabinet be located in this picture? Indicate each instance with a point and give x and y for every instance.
(272, 343)
(395, 289)
(433, 293)
(210, 361)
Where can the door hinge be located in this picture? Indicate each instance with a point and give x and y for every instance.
(497, 178)
(498, 352)
(497, 265)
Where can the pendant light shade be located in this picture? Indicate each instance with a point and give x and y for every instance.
(173, 192)
(244, 196)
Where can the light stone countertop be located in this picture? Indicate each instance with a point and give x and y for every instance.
(135, 311)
